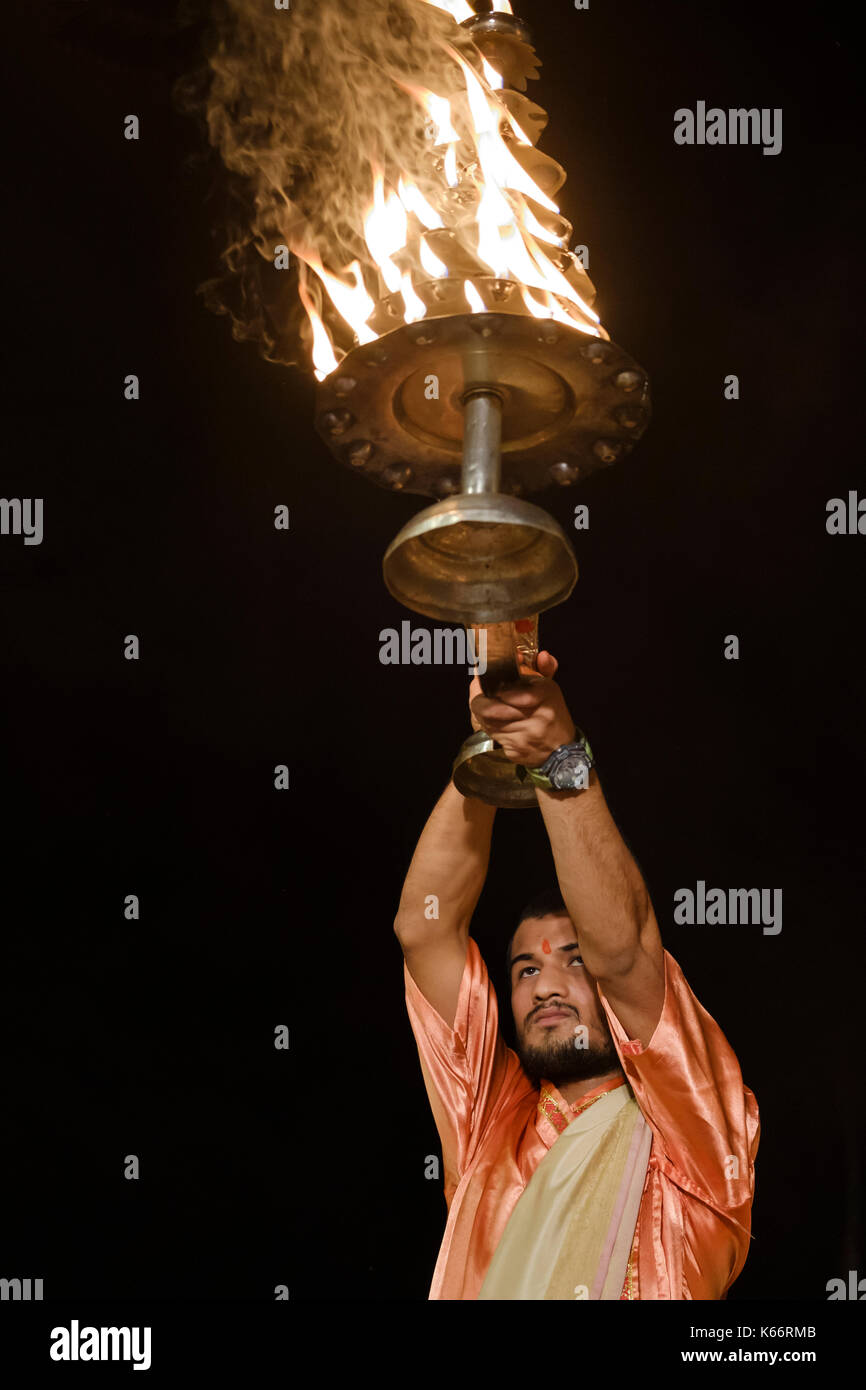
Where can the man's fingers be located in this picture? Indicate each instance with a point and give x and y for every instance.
(494, 709)
(513, 703)
(514, 723)
(547, 664)
(496, 727)
(524, 698)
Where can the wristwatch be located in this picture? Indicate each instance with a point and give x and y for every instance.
(567, 768)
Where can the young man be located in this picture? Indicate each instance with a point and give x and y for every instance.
(612, 1155)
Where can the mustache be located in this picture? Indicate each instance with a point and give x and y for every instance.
(544, 1008)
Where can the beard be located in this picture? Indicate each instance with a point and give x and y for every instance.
(559, 1060)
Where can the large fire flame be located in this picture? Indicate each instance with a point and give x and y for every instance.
(379, 145)
(475, 138)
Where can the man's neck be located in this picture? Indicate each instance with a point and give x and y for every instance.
(572, 1091)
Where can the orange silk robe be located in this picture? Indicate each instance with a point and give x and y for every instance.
(693, 1226)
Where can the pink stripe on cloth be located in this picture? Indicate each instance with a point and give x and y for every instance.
(616, 1217)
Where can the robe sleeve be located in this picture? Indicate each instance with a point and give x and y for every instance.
(468, 1069)
(689, 1086)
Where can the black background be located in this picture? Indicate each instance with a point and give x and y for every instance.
(261, 647)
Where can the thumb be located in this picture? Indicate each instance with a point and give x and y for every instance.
(546, 665)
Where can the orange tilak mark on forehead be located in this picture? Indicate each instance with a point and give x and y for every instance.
(545, 946)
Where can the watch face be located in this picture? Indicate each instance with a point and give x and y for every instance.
(572, 773)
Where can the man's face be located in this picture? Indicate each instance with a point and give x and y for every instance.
(562, 1031)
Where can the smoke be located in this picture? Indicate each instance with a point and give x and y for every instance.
(302, 104)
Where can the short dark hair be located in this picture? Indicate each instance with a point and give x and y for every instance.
(545, 903)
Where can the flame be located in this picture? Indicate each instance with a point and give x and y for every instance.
(324, 360)
(494, 78)
(476, 303)
(439, 111)
(535, 307)
(519, 133)
(497, 161)
(451, 166)
(415, 307)
(533, 269)
(562, 316)
(473, 133)
(552, 309)
(413, 200)
(431, 262)
(558, 283)
(385, 231)
(494, 212)
(355, 305)
(532, 225)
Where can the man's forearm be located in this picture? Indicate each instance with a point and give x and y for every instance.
(601, 884)
(450, 862)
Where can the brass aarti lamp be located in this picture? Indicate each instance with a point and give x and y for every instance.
(490, 394)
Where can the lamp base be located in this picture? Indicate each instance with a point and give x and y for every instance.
(482, 770)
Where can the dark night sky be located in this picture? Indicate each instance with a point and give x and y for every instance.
(261, 647)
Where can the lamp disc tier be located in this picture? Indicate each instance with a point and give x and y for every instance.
(393, 410)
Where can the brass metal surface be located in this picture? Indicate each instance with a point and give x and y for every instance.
(480, 558)
(481, 770)
(571, 404)
(509, 651)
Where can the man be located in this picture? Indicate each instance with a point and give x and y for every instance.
(611, 1156)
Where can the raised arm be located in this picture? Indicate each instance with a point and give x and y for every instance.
(445, 877)
(608, 902)
(606, 897)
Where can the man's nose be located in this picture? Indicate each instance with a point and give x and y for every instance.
(546, 989)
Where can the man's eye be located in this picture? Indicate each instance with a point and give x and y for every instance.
(522, 972)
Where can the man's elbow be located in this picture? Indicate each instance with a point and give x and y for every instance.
(410, 932)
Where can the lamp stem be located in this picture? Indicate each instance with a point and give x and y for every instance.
(482, 439)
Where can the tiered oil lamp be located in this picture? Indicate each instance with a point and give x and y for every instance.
(491, 392)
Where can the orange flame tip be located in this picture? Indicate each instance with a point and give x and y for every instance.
(324, 361)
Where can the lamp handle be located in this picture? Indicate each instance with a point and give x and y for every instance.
(510, 650)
